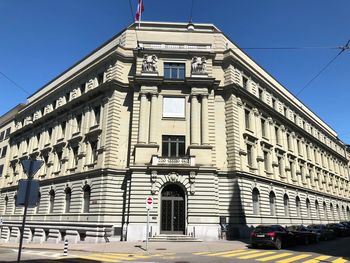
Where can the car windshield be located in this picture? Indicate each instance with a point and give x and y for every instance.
(263, 229)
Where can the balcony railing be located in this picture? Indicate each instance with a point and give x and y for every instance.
(173, 161)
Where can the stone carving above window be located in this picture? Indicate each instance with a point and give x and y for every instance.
(149, 63)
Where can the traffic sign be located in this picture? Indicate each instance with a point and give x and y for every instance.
(30, 171)
(33, 193)
(149, 203)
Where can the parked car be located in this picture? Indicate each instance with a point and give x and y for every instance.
(339, 229)
(347, 226)
(324, 232)
(304, 235)
(271, 235)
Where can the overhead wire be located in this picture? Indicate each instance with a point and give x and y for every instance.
(14, 83)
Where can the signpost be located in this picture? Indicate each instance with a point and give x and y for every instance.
(149, 205)
(30, 167)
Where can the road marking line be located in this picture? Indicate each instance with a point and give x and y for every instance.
(318, 259)
(339, 260)
(226, 252)
(100, 259)
(292, 259)
(125, 255)
(121, 257)
(257, 255)
(200, 253)
(240, 253)
(274, 257)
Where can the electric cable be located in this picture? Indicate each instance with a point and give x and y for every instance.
(14, 83)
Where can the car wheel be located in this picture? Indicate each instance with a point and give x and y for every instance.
(253, 245)
(278, 243)
(306, 241)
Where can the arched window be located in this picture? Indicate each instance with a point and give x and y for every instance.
(332, 211)
(308, 208)
(317, 207)
(298, 208)
(286, 204)
(256, 197)
(52, 200)
(86, 199)
(38, 203)
(343, 212)
(68, 193)
(338, 212)
(325, 214)
(348, 213)
(272, 198)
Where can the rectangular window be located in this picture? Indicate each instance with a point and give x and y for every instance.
(78, 121)
(249, 155)
(277, 135)
(260, 91)
(82, 88)
(100, 78)
(173, 107)
(2, 136)
(266, 161)
(174, 70)
(288, 141)
(299, 147)
(3, 153)
(280, 165)
(1, 169)
(274, 103)
(263, 128)
(247, 118)
(245, 82)
(173, 146)
(94, 153)
(97, 113)
(7, 134)
(75, 155)
(63, 128)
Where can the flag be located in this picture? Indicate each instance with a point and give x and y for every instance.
(140, 9)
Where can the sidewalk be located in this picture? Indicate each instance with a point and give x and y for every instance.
(139, 247)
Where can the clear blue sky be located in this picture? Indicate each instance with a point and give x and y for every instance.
(39, 39)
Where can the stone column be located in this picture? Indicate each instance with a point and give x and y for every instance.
(153, 119)
(143, 119)
(204, 122)
(194, 120)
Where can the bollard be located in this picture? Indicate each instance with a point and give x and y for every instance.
(65, 249)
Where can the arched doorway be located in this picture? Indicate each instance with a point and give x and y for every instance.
(172, 210)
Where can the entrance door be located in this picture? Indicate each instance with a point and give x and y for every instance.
(173, 210)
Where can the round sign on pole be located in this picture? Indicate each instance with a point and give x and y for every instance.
(149, 202)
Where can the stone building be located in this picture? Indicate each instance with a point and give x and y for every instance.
(177, 112)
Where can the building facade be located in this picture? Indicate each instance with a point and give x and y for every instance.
(177, 112)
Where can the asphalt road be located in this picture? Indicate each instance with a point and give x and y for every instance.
(335, 251)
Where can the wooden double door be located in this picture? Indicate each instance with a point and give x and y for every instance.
(173, 210)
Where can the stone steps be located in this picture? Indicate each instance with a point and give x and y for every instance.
(173, 238)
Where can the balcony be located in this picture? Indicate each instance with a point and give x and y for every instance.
(173, 161)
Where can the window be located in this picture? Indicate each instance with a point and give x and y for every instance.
(1, 169)
(78, 122)
(63, 128)
(277, 135)
(245, 82)
(97, 113)
(52, 201)
(317, 207)
(263, 127)
(75, 150)
(6, 204)
(325, 215)
(332, 211)
(247, 118)
(286, 204)
(38, 203)
(2, 136)
(49, 132)
(174, 71)
(86, 199)
(38, 139)
(308, 208)
(338, 212)
(280, 164)
(68, 196)
(272, 199)
(94, 153)
(274, 103)
(3, 153)
(82, 88)
(59, 160)
(173, 107)
(348, 213)
(7, 134)
(256, 197)
(173, 146)
(100, 78)
(298, 208)
(67, 96)
(260, 92)
(266, 161)
(289, 144)
(249, 155)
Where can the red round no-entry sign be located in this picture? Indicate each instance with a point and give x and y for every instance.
(149, 202)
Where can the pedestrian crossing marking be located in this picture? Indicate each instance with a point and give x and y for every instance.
(257, 255)
(226, 252)
(100, 259)
(120, 256)
(339, 260)
(295, 258)
(240, 253)
(274, 257)
(317, 259)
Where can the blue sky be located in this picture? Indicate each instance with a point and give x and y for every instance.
(39, 39)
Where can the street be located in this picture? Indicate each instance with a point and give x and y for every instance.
(336, 251)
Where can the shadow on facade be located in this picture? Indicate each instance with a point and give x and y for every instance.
(237, 228)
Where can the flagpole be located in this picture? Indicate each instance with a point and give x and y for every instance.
(140, 10)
